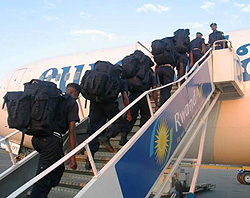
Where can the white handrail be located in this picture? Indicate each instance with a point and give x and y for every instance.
(187, 74)
(222, 41)
(10, 135)
(98, 132)
(6, 138)
(18, 164)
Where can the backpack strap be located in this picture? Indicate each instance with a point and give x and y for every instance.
(4, 102)
(22, 138)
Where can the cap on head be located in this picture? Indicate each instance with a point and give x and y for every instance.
(199, 33)
(75, 86)
(213, 24)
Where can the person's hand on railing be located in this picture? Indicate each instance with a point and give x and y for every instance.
(73, 164)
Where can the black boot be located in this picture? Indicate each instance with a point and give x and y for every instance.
(124, 139)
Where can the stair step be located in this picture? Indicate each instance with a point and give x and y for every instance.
(100, 160)
(73, 180)
(99, 157)
(62, 192)
(81, 167)
(118, 137)
(135, 128)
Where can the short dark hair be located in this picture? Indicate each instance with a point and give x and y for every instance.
(75, 86)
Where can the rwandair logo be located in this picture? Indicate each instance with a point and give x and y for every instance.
(242, 51)
(161, 142)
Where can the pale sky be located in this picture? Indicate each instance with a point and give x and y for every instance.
(32, 30)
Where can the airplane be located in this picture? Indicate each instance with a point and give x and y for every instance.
(228, 135)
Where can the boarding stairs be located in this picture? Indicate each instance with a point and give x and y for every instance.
(74, 180)
(136, 170)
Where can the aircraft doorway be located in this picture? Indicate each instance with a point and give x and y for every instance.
(15, 81)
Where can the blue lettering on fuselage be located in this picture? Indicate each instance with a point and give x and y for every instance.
(47, 77)
(53, 74)
(242, 51)
(61, 77)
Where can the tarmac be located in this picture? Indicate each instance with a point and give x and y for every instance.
(226, 183)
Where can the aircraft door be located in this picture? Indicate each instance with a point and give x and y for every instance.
(15, 80)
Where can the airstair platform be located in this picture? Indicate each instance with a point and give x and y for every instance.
(227, 73)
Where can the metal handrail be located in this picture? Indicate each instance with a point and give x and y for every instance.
(28, 157)
(18, 164)
(6, 138)
(10, 135)
(17, 131)
(222, 41)
(85, 143)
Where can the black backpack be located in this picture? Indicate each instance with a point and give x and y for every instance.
(163, 51)
(36, 106)
(182, 40)
(160, 46)
(138, 85)
(144, 65)
(135, 70)
(129, 65)
(136, 64)
(18, 108)
(46, 97)
(101, 84)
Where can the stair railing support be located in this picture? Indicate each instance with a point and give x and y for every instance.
(10, 152)
(168, 179)
(150, 105)
(91, 160)
(199, 159)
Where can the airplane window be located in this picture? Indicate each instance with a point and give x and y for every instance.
(58, 76)
(77, 76)
(67, 76)
(49, 78)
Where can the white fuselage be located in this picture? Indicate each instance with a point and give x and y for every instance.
(228, 139)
